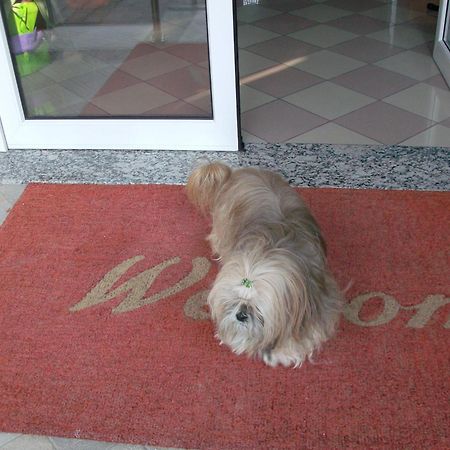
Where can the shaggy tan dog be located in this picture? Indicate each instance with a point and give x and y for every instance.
(274, 296)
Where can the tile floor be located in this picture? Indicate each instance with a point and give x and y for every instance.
(341, 72)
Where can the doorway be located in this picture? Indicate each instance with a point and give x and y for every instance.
(341, 72)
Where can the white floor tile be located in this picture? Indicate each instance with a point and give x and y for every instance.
(128, 447)
(11, 191)
(251, 139)
(249, 35)
(79, 444)
(331, 133)
(252, 13)
(321, 13)
(328, 64)
(250, 63)
(4, 209)
(411, 64)
(27, 442)
(252, 98)
(10, 441)
(323, 35)
(425, 100)
(7, 437)
(402, 36)
(437, 136)
(393, 14)
(329, 100)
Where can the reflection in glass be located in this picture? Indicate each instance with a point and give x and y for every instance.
(110, 58)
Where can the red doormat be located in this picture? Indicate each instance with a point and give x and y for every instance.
(103, 334)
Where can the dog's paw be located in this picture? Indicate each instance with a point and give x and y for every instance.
(277, 357)
(266, 356)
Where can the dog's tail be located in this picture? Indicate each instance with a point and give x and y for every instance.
(204, 184)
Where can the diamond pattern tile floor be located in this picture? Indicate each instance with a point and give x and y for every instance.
(284, 23)
(323, 35)
(284, 49)
(252, 13)
(393, 15)
(405, 36)
(358, 24)
(283, 81)
(264, 121)
(250, 35)
(439, 135)
(425, 100)
(366, 49)
(384, 123)
(411, 64)
(332, 133)
(321, 13)
(329, 100)
(374, 81)
(380, 53)
(327, 64)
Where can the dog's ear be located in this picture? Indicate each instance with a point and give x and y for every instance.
(205, 182)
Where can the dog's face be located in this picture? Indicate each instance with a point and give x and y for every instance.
(254, 318)
(240, 323)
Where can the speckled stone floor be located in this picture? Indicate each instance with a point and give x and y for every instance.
(315, 165)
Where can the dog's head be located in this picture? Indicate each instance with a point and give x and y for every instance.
(258, 303)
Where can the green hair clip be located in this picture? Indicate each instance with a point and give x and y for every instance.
(247, 283)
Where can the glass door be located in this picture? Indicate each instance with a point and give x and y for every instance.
(125, 74)
(441, 52)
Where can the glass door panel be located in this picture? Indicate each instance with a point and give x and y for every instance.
(110, 58)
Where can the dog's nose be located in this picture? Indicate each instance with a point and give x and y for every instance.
(242, 315)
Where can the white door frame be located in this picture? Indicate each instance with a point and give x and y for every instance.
(441, 52)
(3, 146)
(222, 133)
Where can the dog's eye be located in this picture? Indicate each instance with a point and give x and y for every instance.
(259, 316)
